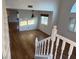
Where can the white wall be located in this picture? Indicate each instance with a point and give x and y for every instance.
(47, 29)
(63, 19)
(40, 5)
(44, 5)
(26, 15)
(60, 9)
(5, 35)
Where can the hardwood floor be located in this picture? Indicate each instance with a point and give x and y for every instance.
(22, 43)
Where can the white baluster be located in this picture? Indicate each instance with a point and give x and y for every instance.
(42, 48)
(39, 49)
(53, 37)
(48, 46)
(36, 45)
(45, 47)
(70, 51)
(62, 49)
(57, 43)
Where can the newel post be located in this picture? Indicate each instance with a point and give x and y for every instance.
(53, 37)
(54, 32)
(36, 45)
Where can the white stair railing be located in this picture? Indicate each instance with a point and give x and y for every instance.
(36, 46)
(42, 47)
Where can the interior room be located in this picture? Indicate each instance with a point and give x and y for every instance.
(39, 29)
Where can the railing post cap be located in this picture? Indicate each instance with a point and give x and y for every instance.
(55, 27)
(36, 39)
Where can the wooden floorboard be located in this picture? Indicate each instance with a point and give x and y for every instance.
(22, 43)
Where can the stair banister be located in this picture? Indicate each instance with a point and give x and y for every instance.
(36, 45)
(39, 45)
(53, 36)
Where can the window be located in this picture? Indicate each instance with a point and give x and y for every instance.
(27, 22)
(72, 25)
(44, 20)
(73, 9)
(30, 22)
(72, 22)
(23, 23)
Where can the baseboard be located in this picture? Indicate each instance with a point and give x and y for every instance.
(43, 32)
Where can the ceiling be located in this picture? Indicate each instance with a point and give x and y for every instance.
(45, 5)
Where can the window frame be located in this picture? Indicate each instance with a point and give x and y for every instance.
(72, 16)
(70, 20)
(44, 15)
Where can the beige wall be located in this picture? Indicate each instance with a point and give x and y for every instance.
(5, 35)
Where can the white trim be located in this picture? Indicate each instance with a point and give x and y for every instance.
(45, 39)
(44, 56)
(53, 38)
(66, 40)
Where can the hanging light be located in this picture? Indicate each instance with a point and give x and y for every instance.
(32, 14)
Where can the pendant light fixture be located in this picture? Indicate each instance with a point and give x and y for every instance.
(32, 14)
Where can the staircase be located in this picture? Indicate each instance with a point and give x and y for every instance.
(55, 47)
